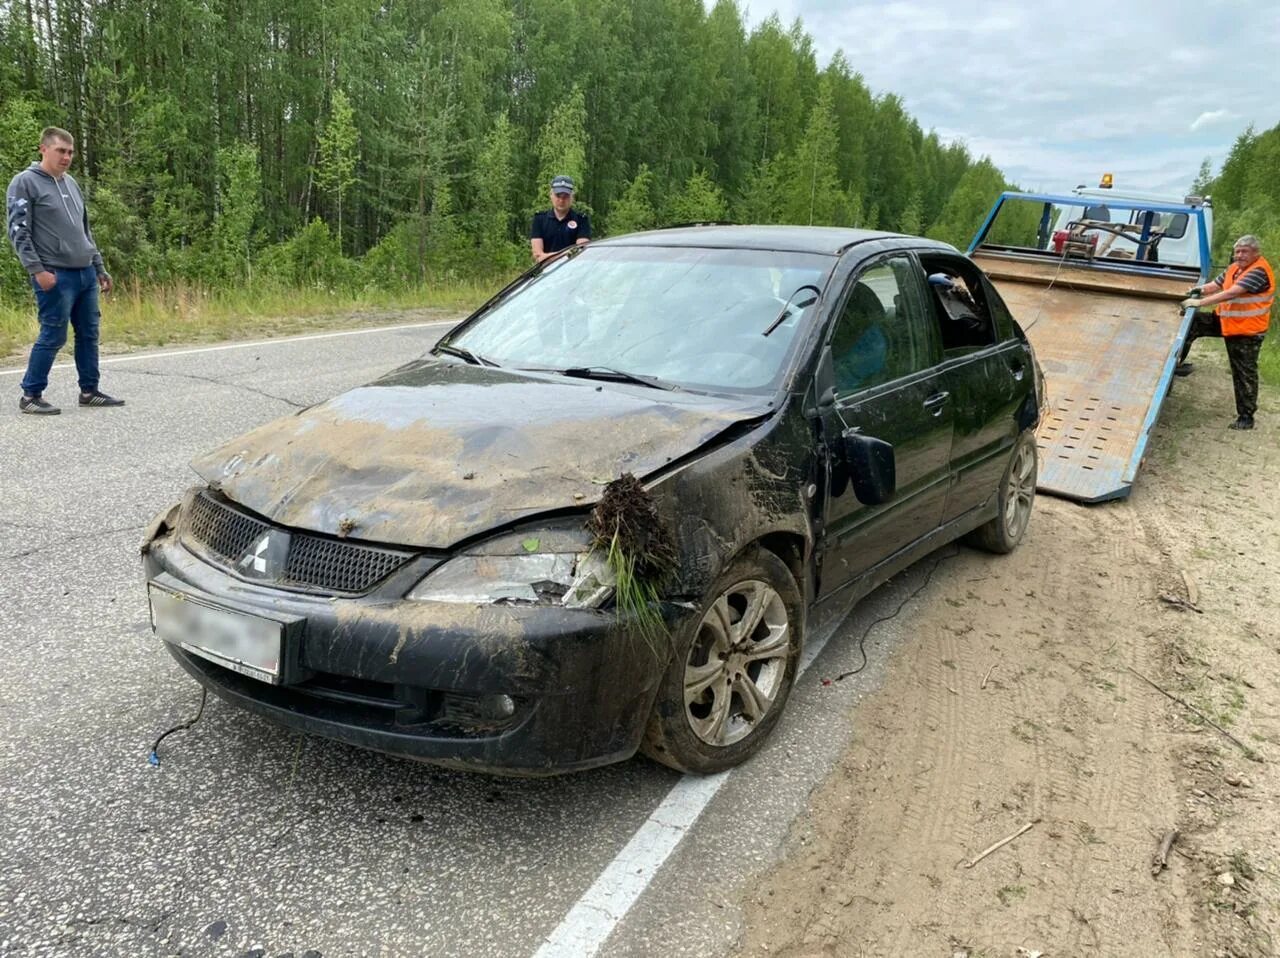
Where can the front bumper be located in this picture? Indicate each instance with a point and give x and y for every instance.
(415, 678)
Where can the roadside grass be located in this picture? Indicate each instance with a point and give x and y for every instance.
(1219, 698)
(1027, 731)
(1241, 865)
(136, 316)
(1011, 893)
(1222, 701)
(1269, 359)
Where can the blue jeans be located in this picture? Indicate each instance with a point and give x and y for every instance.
(73, 299)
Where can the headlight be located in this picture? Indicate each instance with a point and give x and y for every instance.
(572, 580)
(484, 579)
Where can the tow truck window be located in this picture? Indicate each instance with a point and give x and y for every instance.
(1173, 224)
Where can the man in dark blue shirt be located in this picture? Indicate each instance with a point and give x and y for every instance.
(561, 226)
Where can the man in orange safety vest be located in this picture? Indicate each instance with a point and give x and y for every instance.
(1242, 295)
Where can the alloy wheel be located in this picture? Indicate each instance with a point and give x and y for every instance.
(737, 663)
(1022, 490)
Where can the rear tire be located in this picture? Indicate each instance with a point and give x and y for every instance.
(731, 671)
(1015, 499)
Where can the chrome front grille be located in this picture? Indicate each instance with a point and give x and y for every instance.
(313, 562)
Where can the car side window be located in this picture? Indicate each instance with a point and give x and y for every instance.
(878, 337)
(959, 304)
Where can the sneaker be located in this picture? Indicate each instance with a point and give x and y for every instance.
(1244, 422)
(1183, 369)
(37, 406)
(95, 398)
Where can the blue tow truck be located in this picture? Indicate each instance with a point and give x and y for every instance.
(1095, 277)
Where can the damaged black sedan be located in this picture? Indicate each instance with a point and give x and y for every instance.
(597, 517)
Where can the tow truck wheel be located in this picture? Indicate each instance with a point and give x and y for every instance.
(731, 671)
(1015, 498)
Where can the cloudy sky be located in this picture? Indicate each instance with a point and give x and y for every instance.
(1057, 93)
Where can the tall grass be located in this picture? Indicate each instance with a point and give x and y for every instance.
(136, 316)
(1269, 358)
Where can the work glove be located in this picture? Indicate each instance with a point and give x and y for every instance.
(1195, 291)
(1192, 302)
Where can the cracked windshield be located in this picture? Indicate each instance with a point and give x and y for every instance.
(621, 310)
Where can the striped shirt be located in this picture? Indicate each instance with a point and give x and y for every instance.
(1254, 281)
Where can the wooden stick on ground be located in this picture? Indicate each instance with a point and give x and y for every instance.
(1161, 859)
(1249, 753)
(1179, 602)
(1193, 594)
(1000, 844)
(987, 676)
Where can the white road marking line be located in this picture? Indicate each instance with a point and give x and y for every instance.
(606, 903)
(590, 922)
(154, 354)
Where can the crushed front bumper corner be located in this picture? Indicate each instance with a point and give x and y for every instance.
(519, 690)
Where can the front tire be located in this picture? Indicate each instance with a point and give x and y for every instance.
(731, 670)
(1015, 499)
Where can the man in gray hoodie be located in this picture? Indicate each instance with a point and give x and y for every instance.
(49, 230)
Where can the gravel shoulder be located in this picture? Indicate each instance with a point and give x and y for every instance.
(1023, 700)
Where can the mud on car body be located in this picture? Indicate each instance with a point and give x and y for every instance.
(407, 566)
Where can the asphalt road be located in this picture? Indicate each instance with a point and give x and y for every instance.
(251, 839)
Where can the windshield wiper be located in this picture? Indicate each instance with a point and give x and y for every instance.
(473, 358)
(617, 375)
(782, 315)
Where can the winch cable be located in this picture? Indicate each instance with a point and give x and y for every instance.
(1045, 292)
(862, 641)
(153, 758)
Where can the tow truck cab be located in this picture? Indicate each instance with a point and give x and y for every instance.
(1134, 234)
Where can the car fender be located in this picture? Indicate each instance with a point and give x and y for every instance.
(757, 489)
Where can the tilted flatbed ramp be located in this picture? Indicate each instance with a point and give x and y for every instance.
(1095, 281)
(1108, 342)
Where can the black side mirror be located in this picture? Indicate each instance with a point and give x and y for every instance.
(870, 465)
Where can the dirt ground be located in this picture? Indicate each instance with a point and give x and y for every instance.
(1021, 701)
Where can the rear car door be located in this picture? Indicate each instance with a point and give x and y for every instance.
(986, 369)
(887, 387)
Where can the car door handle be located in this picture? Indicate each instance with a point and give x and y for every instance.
(935, 402)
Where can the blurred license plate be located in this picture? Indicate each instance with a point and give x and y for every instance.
(248, 644)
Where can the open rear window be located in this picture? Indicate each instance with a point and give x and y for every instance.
(959, 301)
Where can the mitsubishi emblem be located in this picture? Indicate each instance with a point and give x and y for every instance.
(257, 558)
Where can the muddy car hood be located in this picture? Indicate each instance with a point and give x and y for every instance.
(436, 453)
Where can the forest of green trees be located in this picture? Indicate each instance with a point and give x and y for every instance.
(388, 143)
(353, 144)
(1246, 194)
